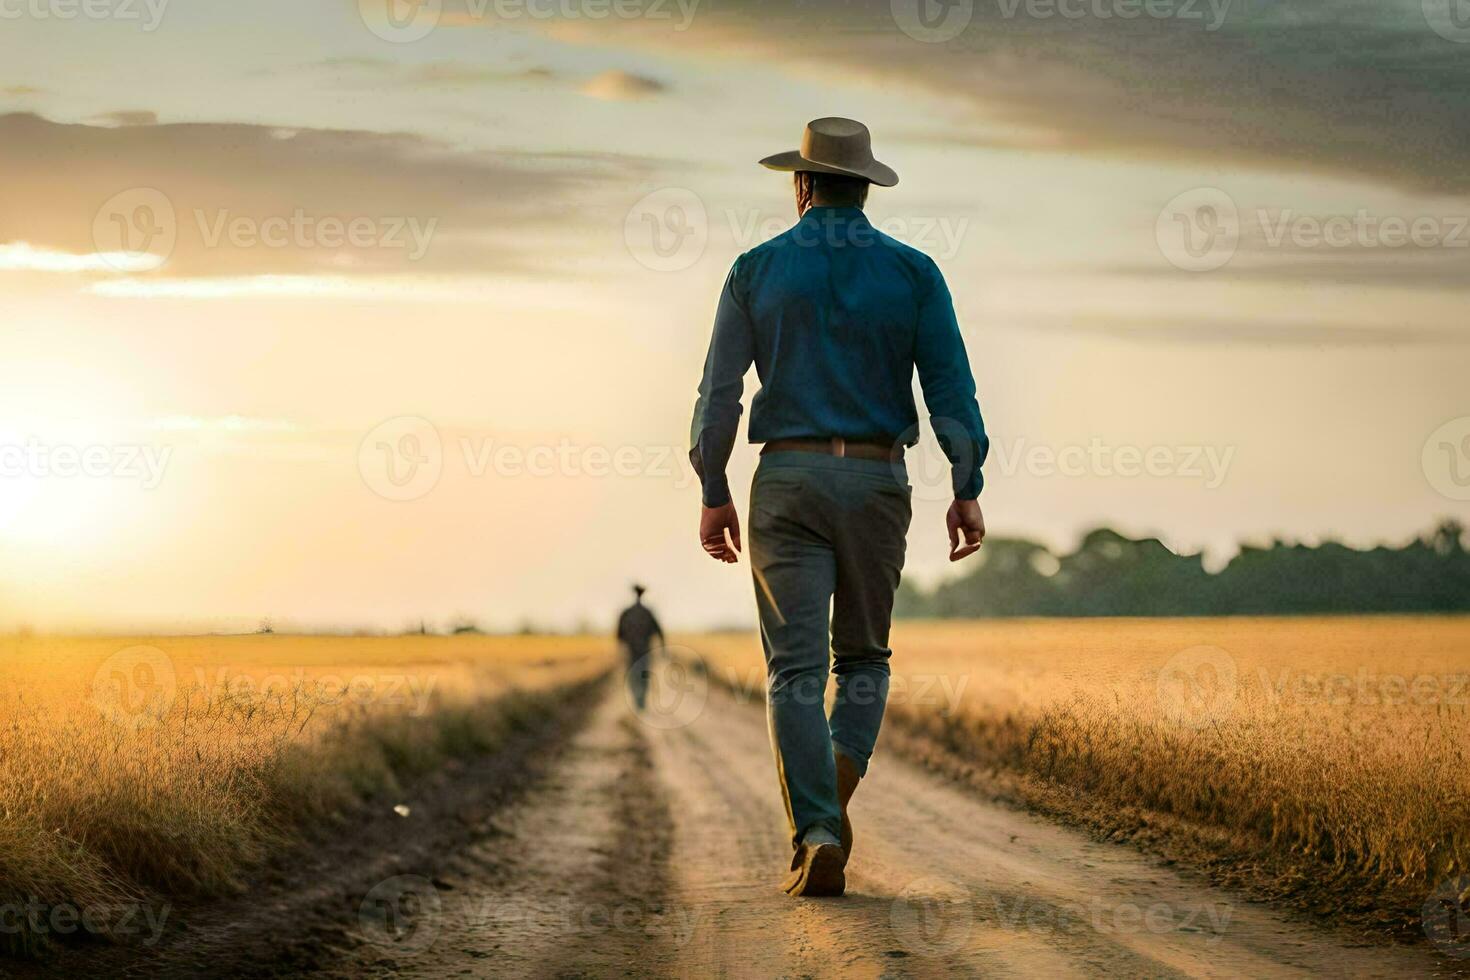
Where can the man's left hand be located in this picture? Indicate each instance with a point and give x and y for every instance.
(713, 523)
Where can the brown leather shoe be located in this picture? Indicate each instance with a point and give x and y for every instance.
(817, 872)
(847, 784)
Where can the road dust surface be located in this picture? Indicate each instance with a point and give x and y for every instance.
(655, 848)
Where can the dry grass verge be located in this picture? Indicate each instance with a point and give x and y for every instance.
(137, 772)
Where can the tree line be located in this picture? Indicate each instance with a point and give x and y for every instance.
(1113, 575)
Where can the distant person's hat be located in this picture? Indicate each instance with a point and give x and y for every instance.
(833, 145)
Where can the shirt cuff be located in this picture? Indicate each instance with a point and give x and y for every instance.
(716, 492)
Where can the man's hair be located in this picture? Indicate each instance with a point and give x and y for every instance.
(835, 190)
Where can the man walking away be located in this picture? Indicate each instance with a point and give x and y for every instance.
(836, 316)
(637, 628)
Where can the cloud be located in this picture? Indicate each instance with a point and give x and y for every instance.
(298, 287)
(231, 200)
(1342, 87)
(24, 257)
(1414, 270)
(614, 85)
(21, 90)
(128, 117)
(1246, 330)
(621, 86)
(433, 74)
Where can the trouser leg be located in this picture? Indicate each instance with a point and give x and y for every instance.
(638, 668)
(794, 572)
(869, 551)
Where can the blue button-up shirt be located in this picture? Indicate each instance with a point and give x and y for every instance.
(836, 316)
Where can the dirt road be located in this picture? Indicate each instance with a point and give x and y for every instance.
(654, 848)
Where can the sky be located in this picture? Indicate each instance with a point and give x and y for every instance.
(352, 315)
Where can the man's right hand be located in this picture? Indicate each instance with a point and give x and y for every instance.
(964, 516)
(713, 522)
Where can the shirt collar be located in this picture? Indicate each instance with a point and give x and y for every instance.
(823, 212)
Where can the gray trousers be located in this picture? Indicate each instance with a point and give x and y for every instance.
(827, 537)
(638, 674)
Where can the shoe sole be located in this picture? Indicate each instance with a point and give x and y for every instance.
(821, 874)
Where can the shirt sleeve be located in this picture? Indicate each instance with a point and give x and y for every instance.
(717, 411)
(949, 389)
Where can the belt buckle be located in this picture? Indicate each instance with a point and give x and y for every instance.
(839, 446)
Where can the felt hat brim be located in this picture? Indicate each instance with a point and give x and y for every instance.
(792, 161)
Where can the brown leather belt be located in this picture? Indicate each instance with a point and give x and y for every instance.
(837, 446)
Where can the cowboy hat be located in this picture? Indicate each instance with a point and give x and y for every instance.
(833, 145)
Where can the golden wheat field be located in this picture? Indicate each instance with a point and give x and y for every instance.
(169, 765)
(1336, 744)
(137, 766)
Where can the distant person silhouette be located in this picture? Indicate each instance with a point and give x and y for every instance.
(637, 628)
